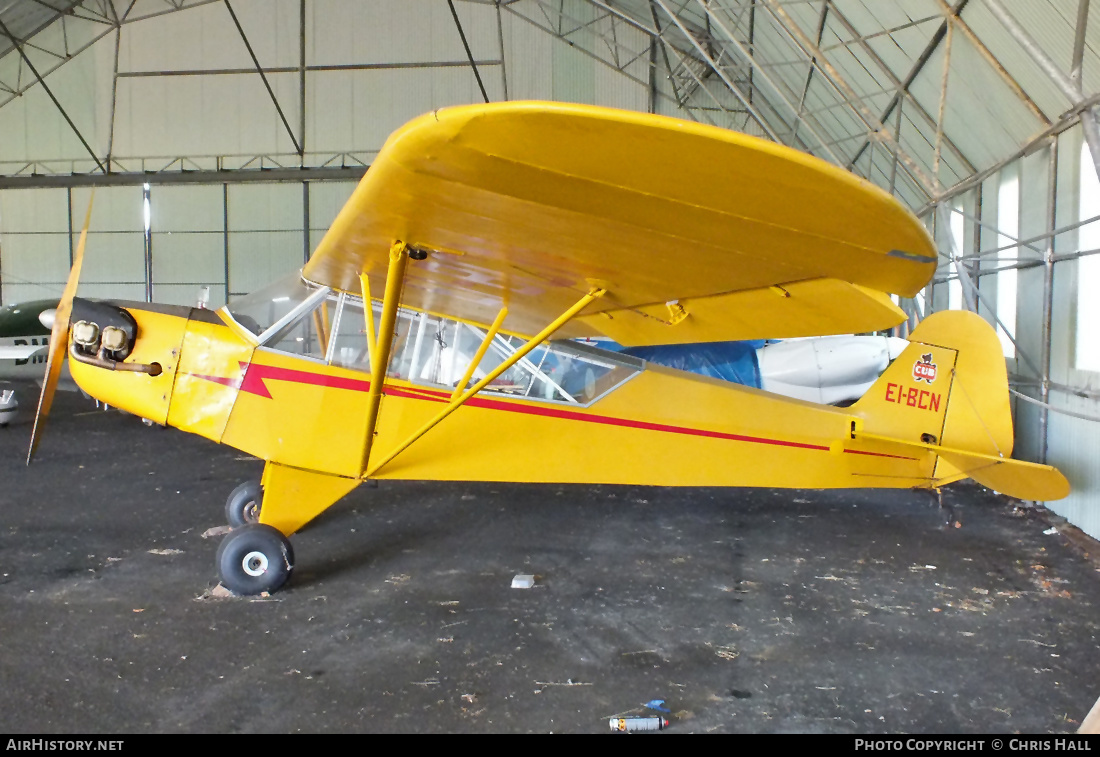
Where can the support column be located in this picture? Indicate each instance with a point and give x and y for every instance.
(1048, 302)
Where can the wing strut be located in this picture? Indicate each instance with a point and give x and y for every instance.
(459, 401)
(380, 352)
(486, 340)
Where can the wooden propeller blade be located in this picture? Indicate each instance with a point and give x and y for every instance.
(59, 338)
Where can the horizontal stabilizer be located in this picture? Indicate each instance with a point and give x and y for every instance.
(1016, 478)
(22, 352)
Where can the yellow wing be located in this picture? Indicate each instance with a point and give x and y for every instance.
(697, 233)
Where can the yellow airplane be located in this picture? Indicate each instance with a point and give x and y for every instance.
(489, 229)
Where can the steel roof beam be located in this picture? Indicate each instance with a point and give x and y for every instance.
(914, 71)
(898, 84)
(813, 64)
(137, 178)
(263, 76)
(1069, 87)
(49, 92)
(991, 59)
(469, 54)
(714, 66)
(874, 126)
(748, 56)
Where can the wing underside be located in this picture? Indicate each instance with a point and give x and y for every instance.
(696, 233)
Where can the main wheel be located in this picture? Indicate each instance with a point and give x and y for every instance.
(254, 558)
(243, 504)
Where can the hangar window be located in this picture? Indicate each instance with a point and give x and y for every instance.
(1008, 224)
(1088, 267)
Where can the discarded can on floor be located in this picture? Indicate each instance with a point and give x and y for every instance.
(637, 724)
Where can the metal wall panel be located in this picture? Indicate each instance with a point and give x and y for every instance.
(326, 198)
(202, 115)
(152, 45)
(33, 266)
(775, 100)
(34, 244)
(1051, 24)
(397, 31)
(114, 257)
(362, 108)
(187, 242)
(266, 234)
(1073, 443)
(214, 113)
(33, 128)
(574, 74)
(1032, 79)
(421, 64)
(26, 211)
(976, 94)
(901, 48)
(627, 88)
(1074, 446)
(527, 49)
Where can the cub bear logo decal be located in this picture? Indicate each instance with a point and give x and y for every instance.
(924, 369)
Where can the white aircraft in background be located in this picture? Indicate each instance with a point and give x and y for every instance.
(828, 370)
(24, 342)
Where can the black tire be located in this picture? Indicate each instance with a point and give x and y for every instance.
(254, 558)
(244, 503)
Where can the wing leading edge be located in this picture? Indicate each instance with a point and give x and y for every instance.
(695, 232)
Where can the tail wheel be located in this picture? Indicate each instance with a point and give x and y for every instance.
(243, 504)
(254, 559)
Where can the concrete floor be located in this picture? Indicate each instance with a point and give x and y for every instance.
(746, 610)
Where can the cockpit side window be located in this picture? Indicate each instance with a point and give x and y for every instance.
(348, 347)
(564, 372)
(436, 351)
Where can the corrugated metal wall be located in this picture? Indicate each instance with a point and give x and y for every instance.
(34, 243)
(1071, 443)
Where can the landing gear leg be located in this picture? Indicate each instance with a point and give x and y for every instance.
(947, 512)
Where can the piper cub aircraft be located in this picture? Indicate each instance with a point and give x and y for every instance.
(489, 229)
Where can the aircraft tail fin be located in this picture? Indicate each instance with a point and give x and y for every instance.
(947, 393)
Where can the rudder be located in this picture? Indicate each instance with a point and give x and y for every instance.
(948, 393)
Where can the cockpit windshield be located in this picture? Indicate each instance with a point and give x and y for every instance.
(265, 307)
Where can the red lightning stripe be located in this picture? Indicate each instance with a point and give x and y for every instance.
(255, 376)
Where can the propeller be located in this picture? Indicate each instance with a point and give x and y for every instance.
(59, 338)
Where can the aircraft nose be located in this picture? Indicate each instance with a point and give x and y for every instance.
(126, 355)
(47, 317)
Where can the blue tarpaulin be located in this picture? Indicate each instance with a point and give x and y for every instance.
(731, 361)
